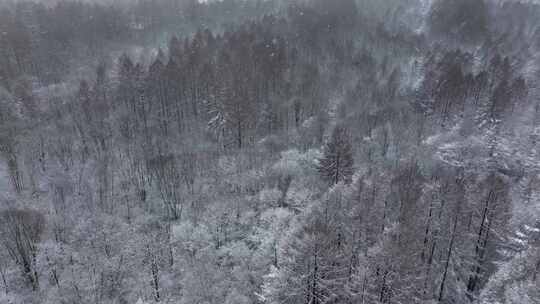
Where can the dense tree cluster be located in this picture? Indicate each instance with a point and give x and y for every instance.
(245, 152)
(460, 20)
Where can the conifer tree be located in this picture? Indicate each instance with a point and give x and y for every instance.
(337, 163)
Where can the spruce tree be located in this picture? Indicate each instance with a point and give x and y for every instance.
(336, 165)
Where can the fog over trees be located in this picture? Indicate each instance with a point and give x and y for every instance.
(270, 152)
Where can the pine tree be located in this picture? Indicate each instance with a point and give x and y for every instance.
(337, 163)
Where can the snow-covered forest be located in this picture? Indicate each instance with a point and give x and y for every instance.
(270, 152)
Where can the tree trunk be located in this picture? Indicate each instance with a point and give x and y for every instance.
(448, 257)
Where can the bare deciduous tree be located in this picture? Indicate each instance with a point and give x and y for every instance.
(20, 233)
